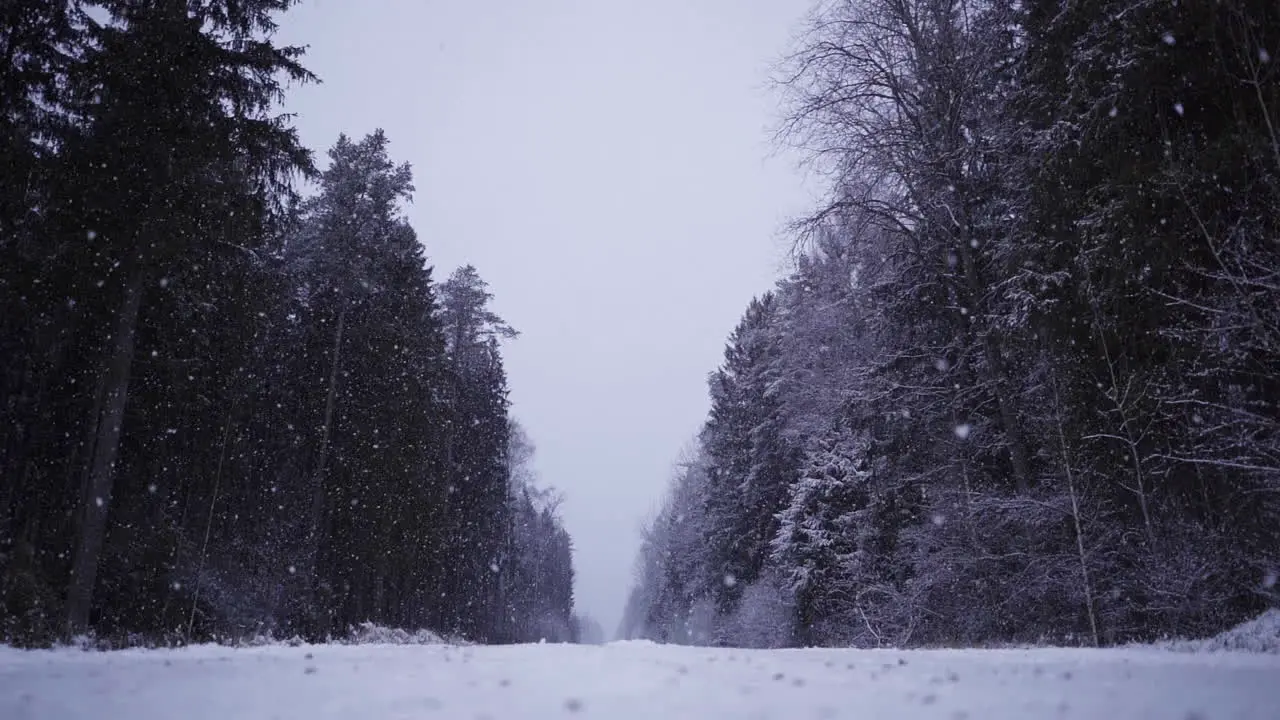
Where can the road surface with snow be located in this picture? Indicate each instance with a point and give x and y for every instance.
(634, 680)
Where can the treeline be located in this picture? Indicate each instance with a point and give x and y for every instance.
(226, 409)
(1024, 382)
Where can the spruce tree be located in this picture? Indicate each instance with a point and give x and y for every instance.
(178, 138)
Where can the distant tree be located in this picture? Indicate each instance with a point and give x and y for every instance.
(589, 631)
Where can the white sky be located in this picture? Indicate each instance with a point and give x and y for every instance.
(607, 167)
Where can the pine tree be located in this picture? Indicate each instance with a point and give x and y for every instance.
(223, 410)
(749, 462)
(816, 544)
(476, 446)
(1156, 186)
(39, 46)
(178, 139)
(377, 470)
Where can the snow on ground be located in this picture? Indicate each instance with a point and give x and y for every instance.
(638, 680)
(1261, 634)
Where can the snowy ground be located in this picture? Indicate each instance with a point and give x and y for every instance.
(634, 680)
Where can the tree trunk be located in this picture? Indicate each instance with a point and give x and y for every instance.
(994, 371)
(326, 428)
(208, 526)
(322, 460)
(96, 497)
(1120, 398)
(1083, 556)
(1009, 415)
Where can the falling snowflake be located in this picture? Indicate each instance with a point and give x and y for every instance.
(164, 282)
(493, 567)
(1168, 38)
(1177, 107)
(1113, 111)
(293, 570)
(941, 364)
(939, 519)
(99, 501)
(963, 430)
(1269, 580)
(730, 580)
(1263, 55)
(151, 488)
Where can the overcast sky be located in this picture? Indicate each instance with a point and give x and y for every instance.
(607, 167)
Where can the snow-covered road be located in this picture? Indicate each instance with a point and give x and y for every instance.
(633, 680)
